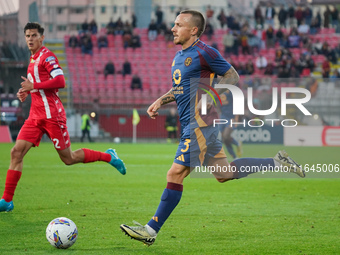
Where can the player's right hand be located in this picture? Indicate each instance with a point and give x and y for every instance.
(26, 85)
(209, 104)
(152, 110)
(21, 95)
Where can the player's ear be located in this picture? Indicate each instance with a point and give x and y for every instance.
(194, 31)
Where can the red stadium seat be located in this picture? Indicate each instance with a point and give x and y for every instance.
(318, 59)
(305, 72)
(94, 40)
(327, 30)
(66, 39)
(137, 30)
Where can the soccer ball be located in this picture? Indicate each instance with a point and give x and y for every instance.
(61, 233)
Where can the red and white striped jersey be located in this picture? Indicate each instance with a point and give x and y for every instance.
(45, 103)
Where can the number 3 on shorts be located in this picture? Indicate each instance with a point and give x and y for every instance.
(186, 143)
(56, 143)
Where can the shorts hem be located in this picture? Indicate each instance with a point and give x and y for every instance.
(181, 163)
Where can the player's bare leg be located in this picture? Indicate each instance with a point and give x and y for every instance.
(169, 200)
(70, 157)
(177, 173)
(226, 134)
(18, 153)
(222, 176)
(84, 155)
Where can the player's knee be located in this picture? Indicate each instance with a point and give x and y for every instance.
(175, 175)
(16, 154)
(172, 174)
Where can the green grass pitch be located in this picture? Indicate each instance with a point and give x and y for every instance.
(249, 216)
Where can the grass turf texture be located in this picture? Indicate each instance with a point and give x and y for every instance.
(248, 216)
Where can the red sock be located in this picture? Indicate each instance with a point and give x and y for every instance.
(92, 156)
(12, 179)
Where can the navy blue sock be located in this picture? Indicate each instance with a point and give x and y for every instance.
(169, 200)
(231, 150)
(233, 141)
(246, 166)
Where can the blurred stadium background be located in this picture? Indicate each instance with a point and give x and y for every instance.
(86, 35)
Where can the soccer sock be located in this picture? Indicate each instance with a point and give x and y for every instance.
(246, 166)
(169, 200)
(11, 183)
(92, 156)
(233, 141)
(231, 150)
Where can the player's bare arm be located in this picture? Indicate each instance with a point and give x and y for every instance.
(230, 77)
(165, 99)
(168, 97)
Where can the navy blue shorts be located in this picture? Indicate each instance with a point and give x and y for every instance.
(195, 149)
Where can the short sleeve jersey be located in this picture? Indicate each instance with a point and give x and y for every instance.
(190, 67)
(45, 103)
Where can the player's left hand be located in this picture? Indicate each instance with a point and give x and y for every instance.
(153, 109)
(26, 85)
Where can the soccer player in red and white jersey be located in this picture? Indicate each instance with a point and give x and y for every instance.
(47, 116)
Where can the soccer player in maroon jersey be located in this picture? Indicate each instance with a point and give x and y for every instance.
(47, 116)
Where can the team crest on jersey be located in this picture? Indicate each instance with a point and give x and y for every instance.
(177, 76)
(50, 59)
(188, 61)
(32, 60)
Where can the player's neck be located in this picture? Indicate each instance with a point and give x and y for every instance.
(33, 52)
(188, 43)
